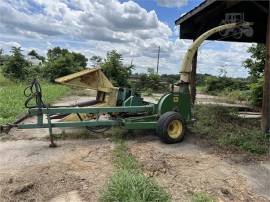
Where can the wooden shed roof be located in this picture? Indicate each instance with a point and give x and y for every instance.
(211, 13)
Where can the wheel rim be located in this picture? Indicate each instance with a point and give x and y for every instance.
(175, 129)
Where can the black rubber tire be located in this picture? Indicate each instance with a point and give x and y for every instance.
(162, 126)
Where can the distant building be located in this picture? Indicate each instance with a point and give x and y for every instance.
(33, 60)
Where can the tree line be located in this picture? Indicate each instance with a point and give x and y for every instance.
(60, 62)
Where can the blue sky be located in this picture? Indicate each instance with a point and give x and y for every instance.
(133, 28)
(168, 14)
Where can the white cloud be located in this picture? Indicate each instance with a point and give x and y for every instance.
(123, 23)
(13, 44)
(9, 44)
(229, 57)
(94, 27)
(172, 3)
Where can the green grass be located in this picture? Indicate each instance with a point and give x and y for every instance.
(202, 197)
(235, 96)
(201, 89)
(12, 98)
(128, 183)
(123, 159)
(222, 126)
(231, 96)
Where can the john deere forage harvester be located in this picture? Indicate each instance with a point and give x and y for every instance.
(120, 106)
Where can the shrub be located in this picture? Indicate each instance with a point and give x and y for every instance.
(214, 84)
(125, 185)
(16, 67)
(222, 126)
(61, 62)
(202, 197)
(115, 70)
(256, 94)
(128, 183)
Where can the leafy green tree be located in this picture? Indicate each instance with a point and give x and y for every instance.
(255, 64)
(1, 57)
(61, 62)
(115, 70)
(36, 55)
(96, 61)
(79, 59)
(170, 78)
(150, 71)
(143, 81)
(55, 53)
(153, 80)
(256, 94)
(16, 67)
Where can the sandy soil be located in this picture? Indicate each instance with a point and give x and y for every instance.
(31, 171)
(77, 170)
(186, 168)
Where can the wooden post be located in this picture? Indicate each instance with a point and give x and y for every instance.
(193, 78)
(266, 90)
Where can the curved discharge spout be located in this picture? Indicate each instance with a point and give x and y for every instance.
(186, 66)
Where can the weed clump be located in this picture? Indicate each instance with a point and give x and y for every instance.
(128, 183)
(224, 127)
(202, 197)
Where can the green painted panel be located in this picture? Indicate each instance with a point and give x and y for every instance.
(169, 102)
(133, 100)
(176, 101)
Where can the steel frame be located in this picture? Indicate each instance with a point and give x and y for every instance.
(141, 122)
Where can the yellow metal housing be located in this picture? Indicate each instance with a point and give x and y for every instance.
(93, 79)
(89, 78)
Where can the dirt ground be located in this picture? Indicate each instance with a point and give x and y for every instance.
(187, 167)
(31, 171)
(77, 170)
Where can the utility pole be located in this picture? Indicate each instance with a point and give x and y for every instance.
(266, 90)
(158, 58)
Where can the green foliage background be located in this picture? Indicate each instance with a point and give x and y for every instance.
(255, 64)
(61, 62)
(12, 97)
(115, 70)
(222, 126)
(16, 67)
